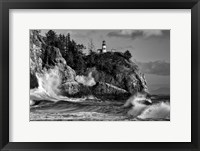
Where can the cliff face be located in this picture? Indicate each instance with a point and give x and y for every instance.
(127, 81)
(115, 74)
(109, 73)
(47, 63)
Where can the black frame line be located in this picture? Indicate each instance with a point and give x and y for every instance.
(5, 5)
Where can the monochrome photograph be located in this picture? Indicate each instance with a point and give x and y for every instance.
(99, 75)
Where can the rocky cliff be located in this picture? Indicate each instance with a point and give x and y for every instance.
(109, 73)
(116, 74)
(47, 60)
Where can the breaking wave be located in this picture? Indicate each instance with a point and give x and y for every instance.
(156, 111)
(48, 88)
(50, 82)
(86, 80)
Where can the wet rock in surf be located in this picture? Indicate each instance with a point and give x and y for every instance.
(107, 89)
(70, 88)
(33, 81)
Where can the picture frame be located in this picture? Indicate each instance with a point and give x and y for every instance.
(5, 5)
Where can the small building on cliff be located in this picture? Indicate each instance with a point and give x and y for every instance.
(103, 49)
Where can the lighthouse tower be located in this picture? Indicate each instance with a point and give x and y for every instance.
(104, 46)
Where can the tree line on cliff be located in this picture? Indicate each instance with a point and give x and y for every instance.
(73, 53)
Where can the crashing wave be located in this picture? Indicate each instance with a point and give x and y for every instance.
(51, 86)
(143, 108)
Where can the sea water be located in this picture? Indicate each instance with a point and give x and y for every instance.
(48, 104)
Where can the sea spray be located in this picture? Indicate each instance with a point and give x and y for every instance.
(86, 80)
(50, 81)
(156, 111)
(143, 108)
(49, 85)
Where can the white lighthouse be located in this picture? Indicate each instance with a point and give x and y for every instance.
(104, 46)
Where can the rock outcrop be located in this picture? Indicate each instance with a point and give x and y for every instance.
(43, 58)
(117, 75)
(113, 73)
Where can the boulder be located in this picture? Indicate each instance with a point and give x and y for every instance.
(103, 88)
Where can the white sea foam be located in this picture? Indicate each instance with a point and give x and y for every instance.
(156, 111)
(49, 87)
(86, 80)
(142, 111)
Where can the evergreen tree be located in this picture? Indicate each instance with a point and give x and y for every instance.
(62, 44)
(91, 46)
(127, 54)
(51, 38)
(67, 41)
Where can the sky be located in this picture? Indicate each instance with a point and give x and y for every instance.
(150, 49)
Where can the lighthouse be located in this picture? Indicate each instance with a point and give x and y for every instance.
(104, 46)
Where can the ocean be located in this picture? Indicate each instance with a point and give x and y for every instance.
(93, 109)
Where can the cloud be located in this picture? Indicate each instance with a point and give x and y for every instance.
(128, 47)
(157, 67)
(133, 34)
(83, 34)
